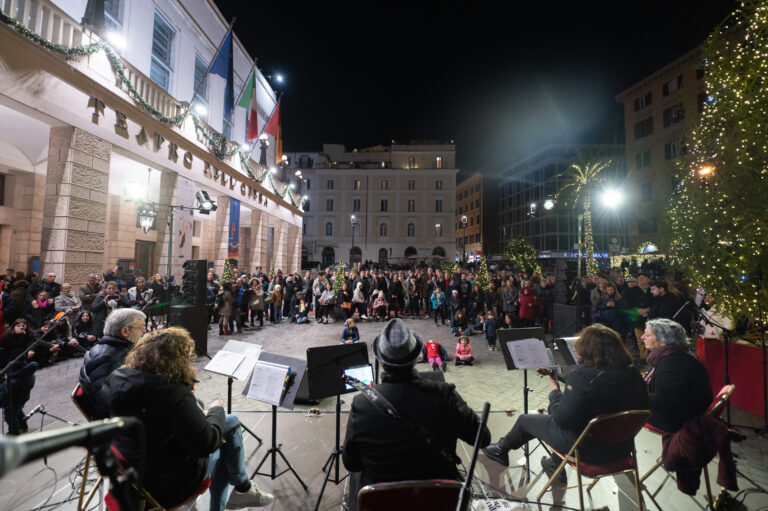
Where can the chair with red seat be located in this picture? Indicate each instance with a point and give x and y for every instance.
(147, 501)
(409, 495)
(715, 409)
(607, 428)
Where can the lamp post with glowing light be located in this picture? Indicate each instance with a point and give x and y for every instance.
(353, 222)
(464, 240)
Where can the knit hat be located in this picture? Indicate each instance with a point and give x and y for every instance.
(397, 345)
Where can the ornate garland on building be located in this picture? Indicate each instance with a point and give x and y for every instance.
(217, 143)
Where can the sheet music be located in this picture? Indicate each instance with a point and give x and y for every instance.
(252, 353)
(571, 343)
(528, 353)
(225, 362)
(268, 382)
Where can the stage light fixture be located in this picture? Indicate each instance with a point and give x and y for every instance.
(205, 203)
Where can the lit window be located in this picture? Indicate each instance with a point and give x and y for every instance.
(439, 162)
(356, 184)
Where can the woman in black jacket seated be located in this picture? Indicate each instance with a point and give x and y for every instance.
(83, 330)
(679, 387)
(183, 444)
(605, 381)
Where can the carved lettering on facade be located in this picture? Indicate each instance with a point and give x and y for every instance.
(159, 139)
(173, 152)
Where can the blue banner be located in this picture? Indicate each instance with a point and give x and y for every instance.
(234, 227)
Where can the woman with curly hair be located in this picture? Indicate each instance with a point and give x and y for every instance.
(184, 444)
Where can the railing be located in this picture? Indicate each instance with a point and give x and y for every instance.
(48, 21)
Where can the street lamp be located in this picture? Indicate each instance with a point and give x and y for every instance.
(264, 141)
(464, 239)
(353, 221)
(283, 167)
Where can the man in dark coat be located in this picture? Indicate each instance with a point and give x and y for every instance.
(123, 329)
(422, 443)
(665, 304)
(48, 284)
(640, 298)
(106, 302)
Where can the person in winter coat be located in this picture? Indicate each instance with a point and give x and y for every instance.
(380, 448)
(380, 304)
(350, 333)
(547, 303)
(605, 381)
(123, 329)
(276, 299)
(15, 342)
(489, 331)
(359, 303)
(225, 300)
(433, 355)
(528, 307)
(459, 325)
(183, 443)
(83, 329)
(256, 302)
(509, 298)
(105, 303)
(437, 301)
(326, 302)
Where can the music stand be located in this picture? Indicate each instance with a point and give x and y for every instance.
(326, 366)
(297, 369)
(512, 339)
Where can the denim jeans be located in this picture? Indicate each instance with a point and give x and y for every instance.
(226, 465)
(457, 330)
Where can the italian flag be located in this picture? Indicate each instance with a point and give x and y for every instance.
(248, 101)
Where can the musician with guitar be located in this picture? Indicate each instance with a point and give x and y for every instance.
(605, 381)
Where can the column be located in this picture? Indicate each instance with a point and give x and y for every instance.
(167, 196)
(221, 239)
(75, 207)
(258, 232)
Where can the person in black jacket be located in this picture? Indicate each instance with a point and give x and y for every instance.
(123, 329)
(665, 304)
(184, 444)
(16, 340)
(605, 381)
(422, 443)
(105, 302)
(679, 387)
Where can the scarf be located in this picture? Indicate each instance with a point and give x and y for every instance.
(42, 304)
(663, 351)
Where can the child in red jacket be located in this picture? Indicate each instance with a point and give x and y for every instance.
(433, 355)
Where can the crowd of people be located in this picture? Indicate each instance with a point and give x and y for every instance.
(128, 370)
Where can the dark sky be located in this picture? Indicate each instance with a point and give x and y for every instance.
(499, 78)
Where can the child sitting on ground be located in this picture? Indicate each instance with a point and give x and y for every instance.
(464, 352)
(380, 305)
(350, 333)
(433, 355)
(302, 312)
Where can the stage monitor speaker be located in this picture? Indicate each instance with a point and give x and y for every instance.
(194, 318)
(193, 285)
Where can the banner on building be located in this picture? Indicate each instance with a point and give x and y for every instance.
(234, 228)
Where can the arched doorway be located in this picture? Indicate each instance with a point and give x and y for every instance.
(355, 255)
(410, 252)
(438, 252)
(383, 255)
(329, 257)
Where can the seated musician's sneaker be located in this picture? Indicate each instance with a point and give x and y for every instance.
(254, 497)
(497, 454)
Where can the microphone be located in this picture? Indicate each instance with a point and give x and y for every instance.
(20, 450)
(38, 408)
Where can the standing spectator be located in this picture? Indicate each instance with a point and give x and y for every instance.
(489, 331)
(380, 304)
(465, 291)
(345, 300)
(48, 284)
(414, 297)
(276, 298)
(16, 341)
(256, 302)
(639, 299)
(89, 291)
(225, 301)
(528, 307)
(396, 295)
(546, 303)
(19, 297)
(665, 304)
(493, 298)
(607, 311)
(40, 309)
(140, 294)
(318, 288)
(437, 301)
(159, 292)
(106, 302)
(509, 297)
(66, 300)
(6, 307)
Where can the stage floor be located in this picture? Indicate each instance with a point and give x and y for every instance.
(308, 441)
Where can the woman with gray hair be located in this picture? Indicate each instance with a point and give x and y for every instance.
(678, 383)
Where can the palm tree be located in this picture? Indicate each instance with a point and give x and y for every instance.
(581, 179)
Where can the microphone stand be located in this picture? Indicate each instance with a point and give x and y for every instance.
(151, 318)
(6, 373)
(727, 333)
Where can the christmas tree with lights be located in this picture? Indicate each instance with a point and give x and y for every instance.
(523, 254)
(717, 215)
(226, 274)
(338, 279)
(481, 279)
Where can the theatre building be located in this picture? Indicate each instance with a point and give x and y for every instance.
(95, 139)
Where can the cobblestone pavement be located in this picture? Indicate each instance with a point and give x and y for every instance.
(308, 441)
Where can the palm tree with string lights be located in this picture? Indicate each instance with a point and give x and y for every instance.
(581, 180)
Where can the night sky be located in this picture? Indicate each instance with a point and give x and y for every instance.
(498, 78)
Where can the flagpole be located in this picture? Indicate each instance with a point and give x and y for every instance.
(208, 70)
(265, 125)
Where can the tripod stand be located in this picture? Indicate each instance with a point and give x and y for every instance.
(274, 451)
(333, 459)
(229, 409)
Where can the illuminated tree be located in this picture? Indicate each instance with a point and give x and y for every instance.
(718, 211)
(338, 279)
(523, 254)
(581, 181)
(481, 280)
(226, 274)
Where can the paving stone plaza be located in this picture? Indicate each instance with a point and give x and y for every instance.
(307, 441)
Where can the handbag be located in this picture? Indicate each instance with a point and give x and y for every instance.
(346, 305)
